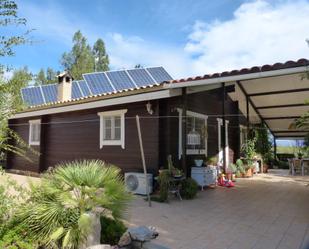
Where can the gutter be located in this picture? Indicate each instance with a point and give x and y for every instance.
(249, 76)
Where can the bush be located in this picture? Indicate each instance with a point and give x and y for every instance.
(16, 238)
(58, 211)
(189, 188)
(111, 230)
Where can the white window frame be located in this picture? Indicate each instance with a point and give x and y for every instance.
(191, 151)
(121, 141)
(31, 124)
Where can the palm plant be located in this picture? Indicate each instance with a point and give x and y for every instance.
(60, 208)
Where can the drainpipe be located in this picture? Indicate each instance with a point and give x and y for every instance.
(184, 131)
(224, 125)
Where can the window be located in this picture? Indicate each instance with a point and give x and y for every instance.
(196, 133)
(112, 128)
(34, 132)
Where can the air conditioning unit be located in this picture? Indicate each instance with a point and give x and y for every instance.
(136, 182)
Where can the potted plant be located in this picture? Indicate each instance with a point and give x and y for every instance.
(212, 161)
(233, 169)
(240, 170)
(176, 173)
(249, 155)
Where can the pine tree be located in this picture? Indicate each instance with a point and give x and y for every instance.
(100, 56)
(80, 59)
(51, 76)
(40, 78)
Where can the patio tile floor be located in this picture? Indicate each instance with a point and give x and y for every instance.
(264, 212)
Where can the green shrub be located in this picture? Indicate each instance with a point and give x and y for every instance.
(189, 188)
(111, 230)
(16, 238)
(57, 212)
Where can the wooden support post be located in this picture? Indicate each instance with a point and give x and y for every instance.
(247, 112)
(275, 148)
(184, 132)
(143, 159)
(42, 156)
(224, 126)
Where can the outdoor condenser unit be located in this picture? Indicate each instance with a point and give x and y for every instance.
(136, 182)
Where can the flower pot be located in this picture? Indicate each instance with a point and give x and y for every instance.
(265, 168)
(248, 173)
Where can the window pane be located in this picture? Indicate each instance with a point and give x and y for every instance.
(107, 122)
(117, 133)
(107, 135)
(117, 121)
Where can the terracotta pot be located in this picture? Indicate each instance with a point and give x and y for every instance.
(265, 168)
(249, 173)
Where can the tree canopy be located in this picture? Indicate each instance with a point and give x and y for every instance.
(100, 57)
(82, 59)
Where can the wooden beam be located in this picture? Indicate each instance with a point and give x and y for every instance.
(253, 105)
(282, 117)
(291, 131)
(278, 92)
(281, 106)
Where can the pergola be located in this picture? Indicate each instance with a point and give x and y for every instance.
(271, 94)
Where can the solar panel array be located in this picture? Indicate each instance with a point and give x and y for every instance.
(98, 83)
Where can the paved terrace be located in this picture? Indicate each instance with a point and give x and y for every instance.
(268, 211)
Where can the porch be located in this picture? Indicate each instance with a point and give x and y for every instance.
(268, 211)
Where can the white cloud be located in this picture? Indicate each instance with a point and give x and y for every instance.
(126, 52)
(258, 33)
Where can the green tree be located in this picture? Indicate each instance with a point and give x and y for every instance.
(9, 17)
(80, 59)
(51, 75)
(10, 88)
(40, 78)
(100, 56)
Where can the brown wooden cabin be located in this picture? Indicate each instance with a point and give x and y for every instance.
(103, 126)
(74, 129)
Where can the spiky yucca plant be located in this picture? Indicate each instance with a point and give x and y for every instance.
(57, 213)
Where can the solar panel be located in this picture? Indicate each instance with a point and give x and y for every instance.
(32, 96)
(98, 83)
(84, 87)
(76, 93)
(141, 77)
(120, 80)
(50, 92)
(159, 74)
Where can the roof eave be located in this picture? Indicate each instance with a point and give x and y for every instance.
(249, 76)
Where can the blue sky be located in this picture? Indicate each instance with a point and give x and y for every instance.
(187, 37)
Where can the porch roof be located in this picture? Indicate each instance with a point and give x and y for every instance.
(276, 94)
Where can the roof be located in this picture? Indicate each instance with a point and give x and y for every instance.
(255, 69)
(97, 84)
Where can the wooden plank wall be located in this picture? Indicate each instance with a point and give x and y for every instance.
(75, 135)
